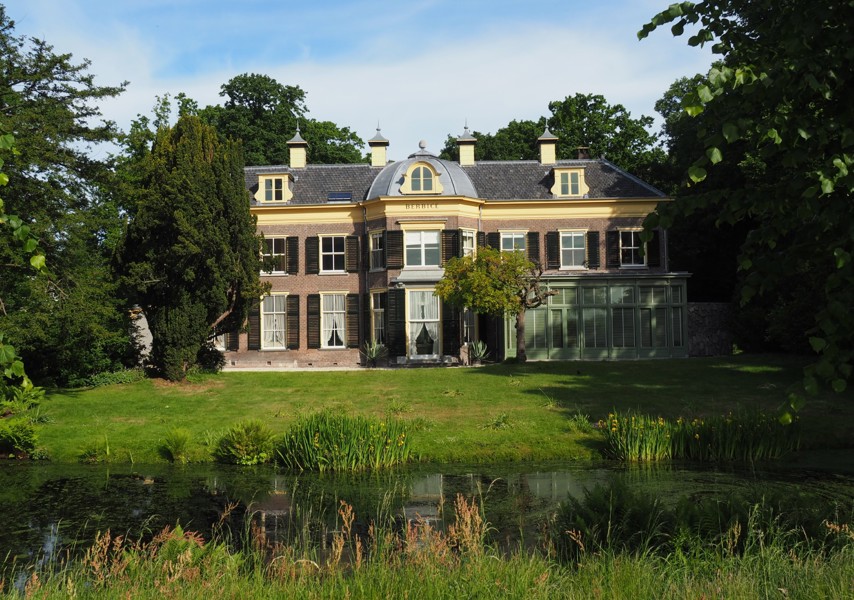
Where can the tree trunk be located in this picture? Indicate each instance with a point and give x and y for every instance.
(521, 356)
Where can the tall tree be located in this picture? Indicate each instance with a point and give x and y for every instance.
(190, 255)
(67, 324)
(781, 90)
(495, 283)
(265, 114)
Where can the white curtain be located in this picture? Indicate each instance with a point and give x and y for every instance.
(334, 334)
(423, 315)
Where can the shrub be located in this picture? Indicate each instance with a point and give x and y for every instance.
(175, 445)
(123, 376)
(18, 438)
(374, 351)
(247, 443)
(328, 441)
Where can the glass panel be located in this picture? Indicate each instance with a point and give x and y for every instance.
(423, 323)
(593, 295)
(332, 321)
(595, 328)
(427, 179)
(572, 252)
(571, 328)
(535, 328)
(557, 329)
(273, 323)
(653, 295)
(676, 292)
(622, 294)
(623, 326)
(431, 248)
(678, 340)
(660, 330)
(564, 184)
(574, 184)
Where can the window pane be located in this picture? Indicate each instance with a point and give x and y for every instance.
(595, 328)
(623, 326)
(574, 184)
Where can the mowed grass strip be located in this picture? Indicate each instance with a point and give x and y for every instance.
(490, 414)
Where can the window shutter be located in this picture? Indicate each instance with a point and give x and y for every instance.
(653, 250)
(612, 249)
(232, 341)
(493, 240)
(312, 255)
(352, 324)
(593, 261)
(394, 249)
(450, 329)
(450, 245)
(366, 317)
(481, 239)
(351, 254)
(366, 251)
(382, 264)
(533, 244)
(313, 320)
(396, 324)
(293, 321)
(254, 341)
(552, 250)
(292, 250)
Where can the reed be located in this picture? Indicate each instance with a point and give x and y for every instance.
(328, 441)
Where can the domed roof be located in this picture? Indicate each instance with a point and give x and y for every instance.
(453, 180)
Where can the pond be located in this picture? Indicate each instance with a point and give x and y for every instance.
(49, 509)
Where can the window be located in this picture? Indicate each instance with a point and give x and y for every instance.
(332, 254)
(569, 184)
(422, 248)
(572, 250)
(511, 242)
(274, 253)
(423, 324)
(467, 242)
(274, 322)
(469, 325)
(630, 249)
(332, 324)
(378, 306)
(377, 250)
(422, 180)
(274, 189)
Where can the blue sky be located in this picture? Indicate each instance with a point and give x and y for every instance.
(419, 68)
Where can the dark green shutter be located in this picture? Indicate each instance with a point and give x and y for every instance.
(366, 251)
(352, 324)
(351, 254)
(593, 261)
(653, 250)
(292, 250)
(450, 329)
(313, 320)
(450, 245)
(493, 240)
(292, 308)
(481, 239)
(254, 341)
(533, 243)
(612, 249)
(312, 255)
(396, 325)
(394, 249)
(232, 341)
(552, 250)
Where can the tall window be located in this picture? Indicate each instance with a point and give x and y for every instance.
(511, 242)
(422, 180)
(332, 324)
(572, 250)
(630, 249)
(467, 240)
(423, 324)
(377, 251)
(274, 189)
(422, 248)
(274, 251)
(378, 305)
(332, 253)
(274, 321)
(469, 326)
(569, 184)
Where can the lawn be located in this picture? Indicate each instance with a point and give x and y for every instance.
(475, 415)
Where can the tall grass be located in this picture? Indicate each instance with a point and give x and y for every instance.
(328, 441)
(745, 436)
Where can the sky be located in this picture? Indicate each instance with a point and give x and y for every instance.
(420, 69)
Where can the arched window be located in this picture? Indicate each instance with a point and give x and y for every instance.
(422, 180)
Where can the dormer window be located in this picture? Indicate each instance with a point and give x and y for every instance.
(274, 188)
(569, 183)
(421, 179)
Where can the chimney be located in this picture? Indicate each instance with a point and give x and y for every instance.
(466, 143)
(297, 147)
(583, 152)
(378, 145)
(548, 147)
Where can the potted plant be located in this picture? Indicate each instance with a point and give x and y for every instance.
(477, 352)
(373, 352)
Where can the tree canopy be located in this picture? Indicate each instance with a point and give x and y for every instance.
(265, 114)
(190, 256)
(495, 283)
(779, 97)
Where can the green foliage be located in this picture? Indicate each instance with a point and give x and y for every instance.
(734, 437)
(374, 351)
(478, 351)
(175, 445)
(190, 256)
(779, 100)
(501, 421)
(247, 443)
(121, 377)
(328, 441)
(18, 438)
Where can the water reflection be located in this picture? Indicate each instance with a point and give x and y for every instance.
(49, 509)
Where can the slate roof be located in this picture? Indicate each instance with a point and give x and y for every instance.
(492, 180)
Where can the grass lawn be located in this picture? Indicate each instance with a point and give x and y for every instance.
(476, 415)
